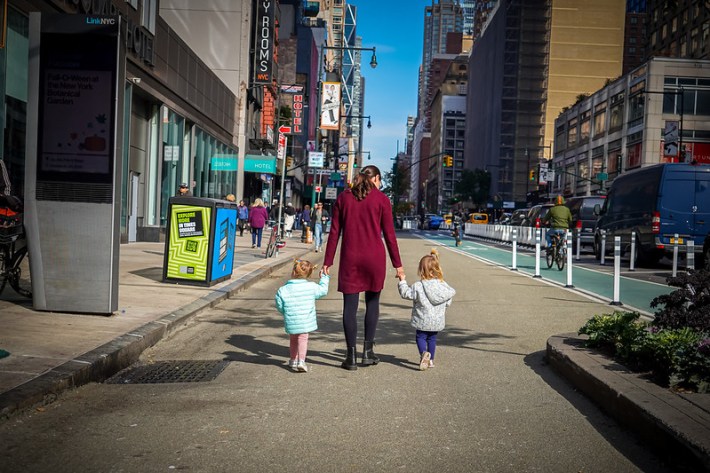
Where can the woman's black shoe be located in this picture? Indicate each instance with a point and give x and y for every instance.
(350, 362)
(368, 355)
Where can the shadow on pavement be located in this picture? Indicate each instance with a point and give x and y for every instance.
(606, 427)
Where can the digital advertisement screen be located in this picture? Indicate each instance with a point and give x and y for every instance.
(77, 97)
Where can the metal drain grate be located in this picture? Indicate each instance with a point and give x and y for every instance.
(176, 371)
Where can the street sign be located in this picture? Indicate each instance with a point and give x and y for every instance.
(602, 176)
(284, 129)
(331, 192)
(316, 159)
(335, 176)
(318, 189)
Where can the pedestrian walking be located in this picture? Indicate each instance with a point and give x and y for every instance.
(305, 223)
(242, 217)
(319, 219)
(289, 219)
(296, 301)
(362, 215)
(431, 296)
(257, 219)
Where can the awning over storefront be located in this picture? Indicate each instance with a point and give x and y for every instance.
(263, 164)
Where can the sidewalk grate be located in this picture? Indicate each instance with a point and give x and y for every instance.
(175, 371)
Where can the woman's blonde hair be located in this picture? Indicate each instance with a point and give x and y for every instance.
(429, 267)
(258, 203)
(302, 269)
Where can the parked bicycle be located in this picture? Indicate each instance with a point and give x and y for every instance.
(557, 252)
(14, 259)
(275, 241)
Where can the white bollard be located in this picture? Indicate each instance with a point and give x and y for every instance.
(675, 255)
(617, 270)
(515, 250)
(537, 253)
(632, 259)
(579, 244)
(601, 261)
(690, 257)
(569, 257)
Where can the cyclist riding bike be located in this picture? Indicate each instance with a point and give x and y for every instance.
(559, 218)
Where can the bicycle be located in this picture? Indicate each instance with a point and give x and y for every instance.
(275, 242)
(557, 252)
(14, 259)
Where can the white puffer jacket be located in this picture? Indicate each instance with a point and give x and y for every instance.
(431, 298)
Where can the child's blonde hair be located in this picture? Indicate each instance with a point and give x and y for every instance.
(302, 269)
(429, 267)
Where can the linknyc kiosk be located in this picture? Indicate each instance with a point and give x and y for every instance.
(200, 239)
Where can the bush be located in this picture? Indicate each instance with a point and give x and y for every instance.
(619, 332)
(679, 358)
(688, 306)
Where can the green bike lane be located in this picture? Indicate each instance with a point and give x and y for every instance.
(634, 294)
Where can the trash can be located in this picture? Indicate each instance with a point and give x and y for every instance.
(199, 241)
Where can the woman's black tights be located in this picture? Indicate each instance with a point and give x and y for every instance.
(372, 315)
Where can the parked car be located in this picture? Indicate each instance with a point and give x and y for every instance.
(584, 219)
(536, 214)
(432, 222)
(656, 202)
(477, 217)
(518, 217)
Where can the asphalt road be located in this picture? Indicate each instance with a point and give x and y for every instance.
(490, 405)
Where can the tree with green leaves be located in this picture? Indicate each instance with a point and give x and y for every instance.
(474, 186)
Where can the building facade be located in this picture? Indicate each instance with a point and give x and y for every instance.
(179, 118)
(628, 124)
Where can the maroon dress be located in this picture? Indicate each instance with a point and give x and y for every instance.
(363, 262)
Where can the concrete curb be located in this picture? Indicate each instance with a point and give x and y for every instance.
(674, 424)
(103, 362)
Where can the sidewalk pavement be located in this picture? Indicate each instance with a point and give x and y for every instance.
(51, 352)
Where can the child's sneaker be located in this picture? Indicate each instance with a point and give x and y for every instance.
(301, 366)
(431, 363)
(293, 364)
(424, 362)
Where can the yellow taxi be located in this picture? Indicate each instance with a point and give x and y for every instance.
(478, 218)
(448, 219)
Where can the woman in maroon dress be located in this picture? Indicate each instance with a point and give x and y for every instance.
(362, 215)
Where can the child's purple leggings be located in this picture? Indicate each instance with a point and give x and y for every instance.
(426, 341)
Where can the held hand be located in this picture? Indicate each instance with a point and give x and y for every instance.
(400, 273)
(325, 270)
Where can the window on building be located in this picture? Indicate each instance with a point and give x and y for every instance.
(584, 129)
(572, 133)
(148, 15)
(599, 119)
(616, 112)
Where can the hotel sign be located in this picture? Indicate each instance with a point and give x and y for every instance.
(264, 42)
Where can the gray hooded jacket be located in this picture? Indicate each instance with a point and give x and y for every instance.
(431, 298)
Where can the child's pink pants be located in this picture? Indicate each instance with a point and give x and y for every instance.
(299, 346)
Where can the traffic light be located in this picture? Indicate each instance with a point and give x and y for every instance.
(532, 175)
(289, 162)
(448, 161)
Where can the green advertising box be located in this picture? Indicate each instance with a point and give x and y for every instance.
(200, 240)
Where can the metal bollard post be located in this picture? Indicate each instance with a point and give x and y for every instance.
(675, 255)
(617, 270)
(690, 256)
(515, 250)
(601, 262)
(569, 257)
(632, 261)
(579, 244)
(537, 253)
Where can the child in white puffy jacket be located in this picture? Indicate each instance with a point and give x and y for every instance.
(431, 296)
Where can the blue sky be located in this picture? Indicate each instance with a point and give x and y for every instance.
(395, 28)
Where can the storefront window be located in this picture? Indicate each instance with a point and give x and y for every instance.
(215, 167)
(172, 174)
(13, 89)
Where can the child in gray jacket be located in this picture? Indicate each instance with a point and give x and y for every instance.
(431, 297)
